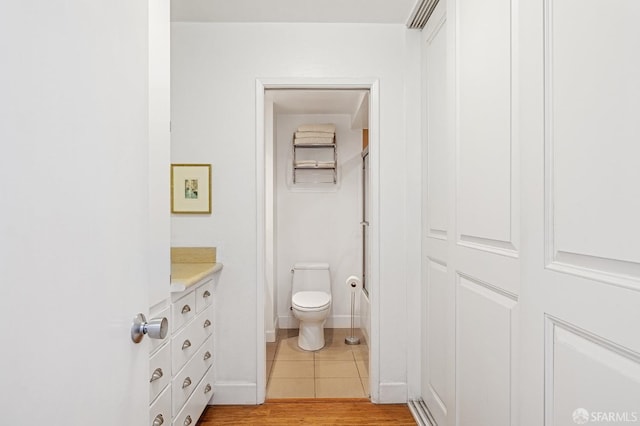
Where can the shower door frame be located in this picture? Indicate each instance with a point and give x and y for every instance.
(366, 211)
(372, 85)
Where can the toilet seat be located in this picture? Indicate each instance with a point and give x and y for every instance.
(311, 300)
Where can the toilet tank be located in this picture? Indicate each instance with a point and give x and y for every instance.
(311, 277)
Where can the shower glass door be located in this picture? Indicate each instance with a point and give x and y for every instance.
(365, 219)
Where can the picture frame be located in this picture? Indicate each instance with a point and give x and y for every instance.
(191, 188)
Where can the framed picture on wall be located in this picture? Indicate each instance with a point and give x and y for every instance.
(191, 188)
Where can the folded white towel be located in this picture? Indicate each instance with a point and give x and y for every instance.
(302, 135)
(306, 163)
(324, 127)
(326, 164)
(313, 141)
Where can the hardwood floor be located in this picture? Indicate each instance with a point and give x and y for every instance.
(308, 412)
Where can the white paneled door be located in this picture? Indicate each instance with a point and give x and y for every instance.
(438, 330)
(487, 221)
(580, 131)
(471, 194)
(75, 210)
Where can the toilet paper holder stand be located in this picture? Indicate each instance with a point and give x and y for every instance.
(352, 339)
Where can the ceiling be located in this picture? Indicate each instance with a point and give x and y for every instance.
(320, 11)
(302, 101)
(354, 102)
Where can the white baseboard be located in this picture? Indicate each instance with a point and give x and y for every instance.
(234, 393)
(393, 393)
(287, 321)
(270, 335)
(340, 321)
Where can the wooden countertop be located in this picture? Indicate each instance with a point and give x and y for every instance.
(190, 265)
(184, 275)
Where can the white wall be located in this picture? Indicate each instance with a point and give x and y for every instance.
(319, 222)
(214, 72)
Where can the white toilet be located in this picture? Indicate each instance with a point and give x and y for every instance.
(311, 302)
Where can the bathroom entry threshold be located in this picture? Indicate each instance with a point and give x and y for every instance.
(337, 371)
(315, 400)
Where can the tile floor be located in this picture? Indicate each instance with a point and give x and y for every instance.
(336, 371)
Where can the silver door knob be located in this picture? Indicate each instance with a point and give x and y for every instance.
(156, 328)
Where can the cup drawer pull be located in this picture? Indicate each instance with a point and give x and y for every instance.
(157, 373)
(187, 421)
(207, 388)
(206, 294)
(186, 383)
(186, 309)
(158, 421)
(207, 323)
(186, 344)
(207, 355)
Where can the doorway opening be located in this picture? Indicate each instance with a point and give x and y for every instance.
(316, 216)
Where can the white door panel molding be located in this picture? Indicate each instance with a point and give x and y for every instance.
(436, 356)
(438, 149)
(592, 204)
(486, 318)
(486, 155)
(581, 371)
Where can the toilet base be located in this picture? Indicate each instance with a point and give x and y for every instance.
(311, 335)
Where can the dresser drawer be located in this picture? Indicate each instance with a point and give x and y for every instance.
(159, 371)
(196, 404)
(188, 340)
(204, 296)
(182, 311)
(160, 410)
(188, 378)
(164, 312)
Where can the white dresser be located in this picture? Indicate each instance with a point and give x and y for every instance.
(180, 366)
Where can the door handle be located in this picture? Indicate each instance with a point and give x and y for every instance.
(364, 223)
(156, 328)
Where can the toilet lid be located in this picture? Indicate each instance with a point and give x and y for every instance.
(311, 299)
